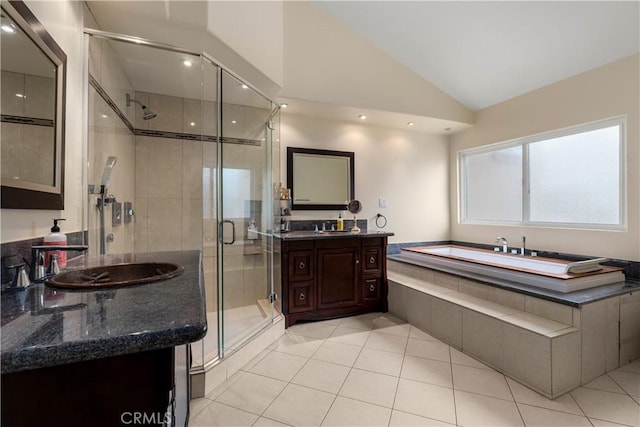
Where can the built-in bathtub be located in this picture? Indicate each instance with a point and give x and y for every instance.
(553, 274)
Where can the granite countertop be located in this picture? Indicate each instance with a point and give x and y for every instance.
(44, 326)
(306, 235)
(574, 299)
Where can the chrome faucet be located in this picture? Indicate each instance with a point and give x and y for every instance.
(38, 271)
(505, 248)
(523, 248)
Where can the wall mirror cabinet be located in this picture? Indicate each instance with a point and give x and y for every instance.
(320, 179)
(32, 111)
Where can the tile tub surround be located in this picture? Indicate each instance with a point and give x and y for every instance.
(68, 327)
(549, 346)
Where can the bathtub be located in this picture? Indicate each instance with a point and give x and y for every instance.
(553, 274)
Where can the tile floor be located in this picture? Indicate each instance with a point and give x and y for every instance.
(376, 370)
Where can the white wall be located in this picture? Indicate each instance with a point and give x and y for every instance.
(409, 169)
(64, 21)
(608, 91)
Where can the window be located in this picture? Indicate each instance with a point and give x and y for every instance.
(568, 178)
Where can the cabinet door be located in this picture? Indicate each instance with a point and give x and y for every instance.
(372, 260)
(301, 296)
(338, 277)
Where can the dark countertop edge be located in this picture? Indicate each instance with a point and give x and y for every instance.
(574, 299)
(62, 354)
(312, 235)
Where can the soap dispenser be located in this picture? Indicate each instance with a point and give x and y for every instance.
(340, 224)
(56, 238)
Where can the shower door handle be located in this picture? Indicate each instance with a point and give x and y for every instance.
(221, 230)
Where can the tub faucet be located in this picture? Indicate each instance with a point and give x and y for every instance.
(505, 249)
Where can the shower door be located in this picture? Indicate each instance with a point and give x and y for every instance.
(244, 213)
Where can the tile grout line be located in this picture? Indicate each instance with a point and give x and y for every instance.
(514, 400)
(395, 395)
(453, 388)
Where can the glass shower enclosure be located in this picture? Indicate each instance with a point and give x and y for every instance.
(190, 151)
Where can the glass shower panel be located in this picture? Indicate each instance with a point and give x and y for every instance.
(244, 213)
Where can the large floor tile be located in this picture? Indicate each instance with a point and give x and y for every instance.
(363, 323)
(300, 406)
(426, 400)
(266, 422)
(336, 352)
(481, 381)
(601, 423)
(459, 358)
(389, 324)
(541, 417)
(370, 387)
(348, 413)
(281, 366)
(629, 381)
(197, 405)
(219, 415)
(631, 367)
(322, 376)
(252, 393)
(297, 344)
(351, 336)
(386, 342)
(427, 370)
(312, 330)
(428, 349)
(476, 410)
(404, 419)
(383, 362)
(607, 406)
(522, 394)
(419, 334)
(605, 383)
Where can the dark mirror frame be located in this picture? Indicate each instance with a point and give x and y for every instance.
(21, 194)
(319, 207)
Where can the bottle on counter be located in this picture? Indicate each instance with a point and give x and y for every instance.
(58, 239)
(340, 225)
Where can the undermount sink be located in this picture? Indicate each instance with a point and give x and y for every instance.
(115, 276)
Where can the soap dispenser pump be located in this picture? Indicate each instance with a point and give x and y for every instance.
(340, 222)
(56, 238)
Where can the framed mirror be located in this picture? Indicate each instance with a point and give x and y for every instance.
(320, 179)
(32, 112)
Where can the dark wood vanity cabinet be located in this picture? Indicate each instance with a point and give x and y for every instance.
(334, 277)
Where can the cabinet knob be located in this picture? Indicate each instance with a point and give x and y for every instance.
(302, 297)
(372, 288)
(301, 266)
(372, 260)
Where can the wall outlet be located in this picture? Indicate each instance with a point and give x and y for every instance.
(382, 203)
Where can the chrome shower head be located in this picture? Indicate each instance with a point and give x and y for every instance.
(106, 175)
(147, 114)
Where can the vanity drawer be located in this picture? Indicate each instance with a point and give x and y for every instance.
(371, 288)
(301, 296)
(372, 260)
(301, 265)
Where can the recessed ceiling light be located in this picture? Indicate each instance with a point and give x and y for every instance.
(233, 122)
(362, 117)
(192, 124)
(104, 116)
(410, 123)
(8, 29)
(245, 86)
(187, 62)
(285, 105)
(20, 95)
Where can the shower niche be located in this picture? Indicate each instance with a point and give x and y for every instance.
(195, 165)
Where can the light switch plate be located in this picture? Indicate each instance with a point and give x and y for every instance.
(382, 203)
